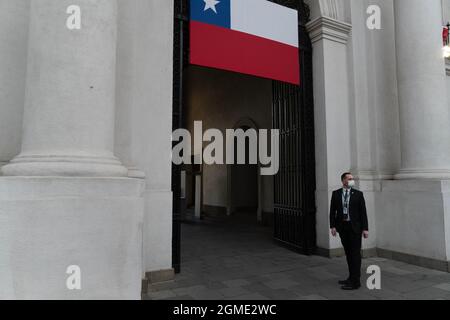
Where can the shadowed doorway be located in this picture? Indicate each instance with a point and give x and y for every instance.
(244, 184)
(291, 111)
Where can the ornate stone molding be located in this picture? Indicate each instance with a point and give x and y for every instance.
(330, 29)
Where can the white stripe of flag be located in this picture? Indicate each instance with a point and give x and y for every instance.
(265, 19)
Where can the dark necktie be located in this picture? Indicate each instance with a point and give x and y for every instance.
(346, 206)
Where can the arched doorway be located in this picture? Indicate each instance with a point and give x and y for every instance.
(293, 115)
(244, 183)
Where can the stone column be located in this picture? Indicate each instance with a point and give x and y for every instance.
(13, 66)
(424, 112)
(329, 39)
(66, 202)
(70, 93)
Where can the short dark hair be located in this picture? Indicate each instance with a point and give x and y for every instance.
(344, 175)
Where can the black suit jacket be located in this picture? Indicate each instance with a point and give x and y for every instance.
(357, 209)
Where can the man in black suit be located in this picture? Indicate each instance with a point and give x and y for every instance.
(348, 217)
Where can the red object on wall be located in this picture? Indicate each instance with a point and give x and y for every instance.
(445, 34)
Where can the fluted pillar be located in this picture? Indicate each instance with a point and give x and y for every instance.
(424, 112)
(70, 93)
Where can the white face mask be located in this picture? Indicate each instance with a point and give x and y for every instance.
(351, 183)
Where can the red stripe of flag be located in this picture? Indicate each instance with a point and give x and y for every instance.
(222, 48)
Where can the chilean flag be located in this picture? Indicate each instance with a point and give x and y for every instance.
(255, 37)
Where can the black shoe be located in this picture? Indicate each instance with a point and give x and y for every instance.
(344, 282)
(351, 286)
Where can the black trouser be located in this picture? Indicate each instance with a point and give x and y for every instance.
(352, 242)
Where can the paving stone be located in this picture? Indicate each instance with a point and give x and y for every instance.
(432, 293)
(312, 297)
(443, 286)
(207, 294)
(180, 298)
(234, 292)
(188, 290)
(425, 271)
(405, 286)
(215, 285)
(396, 271)
(161, 295)
(281, 294)
(281, 283)
(320, 273)
(253, 296)
(375, 260)
(162, 286)
(241, 262)
(258, 288)
(277, 276)
(385, 294)
(236, 283)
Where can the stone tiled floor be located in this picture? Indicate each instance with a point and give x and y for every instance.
(238, 260)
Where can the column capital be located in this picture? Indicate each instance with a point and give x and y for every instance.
(330, 29)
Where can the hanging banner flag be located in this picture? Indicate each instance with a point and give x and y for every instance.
(255, 37)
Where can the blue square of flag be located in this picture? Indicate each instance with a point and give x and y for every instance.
(215, 12)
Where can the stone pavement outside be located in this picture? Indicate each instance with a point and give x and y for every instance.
(238, 260)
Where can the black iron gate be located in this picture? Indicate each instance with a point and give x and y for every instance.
(293, 114)
(180, 62)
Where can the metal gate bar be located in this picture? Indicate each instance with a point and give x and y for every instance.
(295, 184)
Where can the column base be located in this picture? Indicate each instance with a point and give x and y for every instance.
(66, 166)
(49, 224)
(418, 174)
(158, 230)
(413, 218)
(371, 175)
